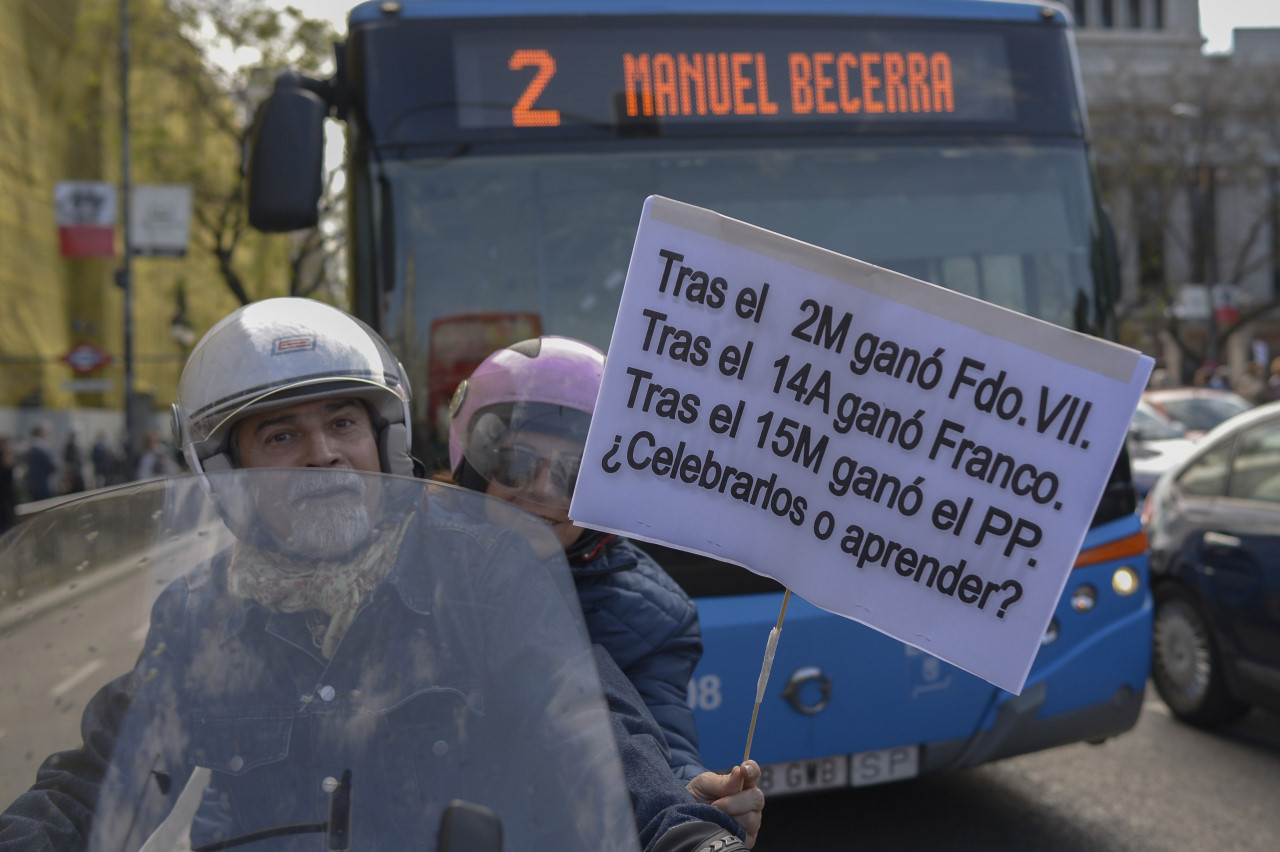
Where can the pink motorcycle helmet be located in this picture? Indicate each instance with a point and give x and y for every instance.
(525, 410)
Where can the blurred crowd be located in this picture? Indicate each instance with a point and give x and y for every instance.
(1256, 383)
(33, 468)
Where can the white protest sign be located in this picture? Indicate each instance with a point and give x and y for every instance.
(903, 455)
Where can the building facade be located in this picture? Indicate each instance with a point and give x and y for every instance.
(1187, 147)
(60, 120)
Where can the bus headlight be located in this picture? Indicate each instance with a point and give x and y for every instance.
(1083, 598)
(1124, 581)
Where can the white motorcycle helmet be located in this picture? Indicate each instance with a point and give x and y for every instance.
(279, 352)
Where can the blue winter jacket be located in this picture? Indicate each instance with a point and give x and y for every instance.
(650, 627)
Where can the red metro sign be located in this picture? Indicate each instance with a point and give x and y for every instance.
(85, 358)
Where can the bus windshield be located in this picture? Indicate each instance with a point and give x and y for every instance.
(547, 237)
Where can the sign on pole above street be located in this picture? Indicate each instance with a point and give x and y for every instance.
(909, 457)
(86, 212)
(160, 219)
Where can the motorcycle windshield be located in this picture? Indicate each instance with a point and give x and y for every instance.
(324, 660)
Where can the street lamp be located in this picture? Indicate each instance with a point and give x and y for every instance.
(124, 276)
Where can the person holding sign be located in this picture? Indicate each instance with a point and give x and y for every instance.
(518, 425)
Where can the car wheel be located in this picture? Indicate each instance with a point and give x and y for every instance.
(1186, 664)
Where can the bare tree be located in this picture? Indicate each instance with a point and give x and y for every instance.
(1192, 155)
(219, 57)
(317, 255)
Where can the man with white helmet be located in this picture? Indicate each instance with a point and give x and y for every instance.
(283, 352)
(293, 383)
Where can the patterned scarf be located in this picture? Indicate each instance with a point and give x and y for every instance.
(329, 591)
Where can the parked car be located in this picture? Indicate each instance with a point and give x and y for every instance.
(1213, 522)
(1156, 443)
(1198, 409)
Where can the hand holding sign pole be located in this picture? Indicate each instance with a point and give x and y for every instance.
(903, 455)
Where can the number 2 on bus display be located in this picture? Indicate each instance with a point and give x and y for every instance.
(523, 114)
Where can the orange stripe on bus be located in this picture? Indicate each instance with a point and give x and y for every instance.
(1133, 545)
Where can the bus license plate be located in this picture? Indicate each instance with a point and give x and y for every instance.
(883, 765)
(804, 776)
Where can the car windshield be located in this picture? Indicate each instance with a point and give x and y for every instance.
(1202, 413)
(1149, 425)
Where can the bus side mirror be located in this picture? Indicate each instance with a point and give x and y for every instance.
(286, 157)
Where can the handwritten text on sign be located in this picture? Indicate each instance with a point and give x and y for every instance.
(920, 461)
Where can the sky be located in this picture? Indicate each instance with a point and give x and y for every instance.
(1217, 17)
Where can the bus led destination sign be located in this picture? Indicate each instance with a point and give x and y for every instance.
(825, 83)
(558, 78)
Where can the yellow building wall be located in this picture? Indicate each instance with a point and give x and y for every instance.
(33, 284)
(60, 120)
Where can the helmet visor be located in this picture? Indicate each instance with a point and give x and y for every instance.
(518, 465)
(533, 449)
(213, 421)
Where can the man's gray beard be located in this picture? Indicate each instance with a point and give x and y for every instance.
(329, 527)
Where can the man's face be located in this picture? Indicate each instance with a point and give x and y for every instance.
(334, 433)
(327, 512)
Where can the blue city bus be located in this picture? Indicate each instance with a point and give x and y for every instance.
(497, 156)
